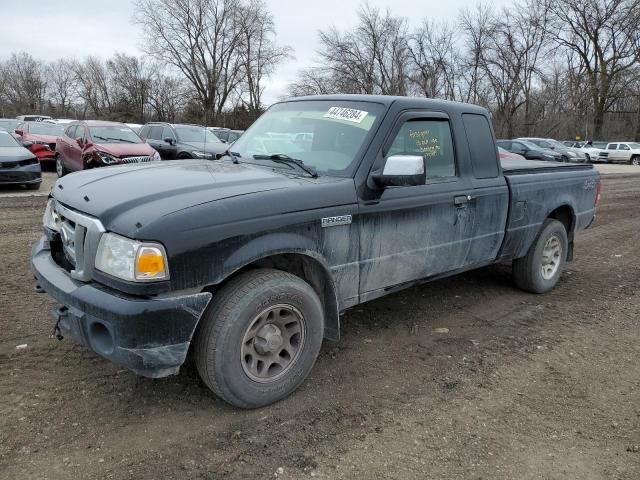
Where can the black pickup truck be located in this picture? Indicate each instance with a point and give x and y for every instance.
(324, 203)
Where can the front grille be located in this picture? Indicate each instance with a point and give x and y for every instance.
(137, 159)
(21, 163)
(79, 235)
(603, 155)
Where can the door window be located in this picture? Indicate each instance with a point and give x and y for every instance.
(623, 147)
(430, 139)
(156, 132)
(612, 146)
(167, 133)
(71, 131)
(79, 134)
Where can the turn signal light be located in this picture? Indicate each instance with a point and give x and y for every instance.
(150, 264)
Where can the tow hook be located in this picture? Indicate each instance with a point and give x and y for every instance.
(58, 314)
(38, 289)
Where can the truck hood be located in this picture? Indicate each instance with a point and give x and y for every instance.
(126, 198)
(125, 149)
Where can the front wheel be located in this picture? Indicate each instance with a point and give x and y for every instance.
(61, 170)
(260, 337)
(540, 270)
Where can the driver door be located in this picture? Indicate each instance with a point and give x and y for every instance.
(409, 233)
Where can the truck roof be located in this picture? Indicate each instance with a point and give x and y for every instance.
(403, 102)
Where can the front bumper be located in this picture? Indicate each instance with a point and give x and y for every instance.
(21, 175)
(149, 336)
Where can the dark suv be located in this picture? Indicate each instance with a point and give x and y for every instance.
(179, 140)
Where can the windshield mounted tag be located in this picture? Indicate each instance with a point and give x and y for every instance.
(347, 114)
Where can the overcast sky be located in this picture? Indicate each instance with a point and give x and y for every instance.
(49, 29)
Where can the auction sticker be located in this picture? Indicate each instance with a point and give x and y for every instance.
(348, 114)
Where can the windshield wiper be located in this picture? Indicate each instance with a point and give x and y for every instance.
(116, 139)
(287, 160)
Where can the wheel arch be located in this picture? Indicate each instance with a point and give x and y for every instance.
(566, 215)
(305, 264)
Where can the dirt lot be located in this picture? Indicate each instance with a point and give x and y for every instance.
(521, 386)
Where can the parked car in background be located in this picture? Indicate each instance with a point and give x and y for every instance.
(9, 124)
(507, 155)
(40, 138)
(181, 141)
(529, 150)
(621, 152)
(33, 118)
(593, 149)
(18, 166)
(568, 154)
(92, 143)
(226, 135)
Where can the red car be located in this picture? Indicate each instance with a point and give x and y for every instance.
(93, 143)
(40, 138)
(507, 155)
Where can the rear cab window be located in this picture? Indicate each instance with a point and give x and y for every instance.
(484, 157)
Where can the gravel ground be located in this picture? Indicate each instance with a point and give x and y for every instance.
(463, 378)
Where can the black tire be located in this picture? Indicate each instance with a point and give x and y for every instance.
(635, 160)
(33, 186)
(220, 345)
(528, 270)
(565, 159)
(587, 158)
(61, 169)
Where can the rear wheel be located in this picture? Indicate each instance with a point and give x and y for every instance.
(260, 337)
(635, 160)
(61, 170)
(540, 270)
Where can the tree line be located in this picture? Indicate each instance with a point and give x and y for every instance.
(560, 68)
(553, 68)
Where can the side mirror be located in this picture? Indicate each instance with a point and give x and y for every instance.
(169, 140)
(27, 144)
(19, 131)
(401, 171)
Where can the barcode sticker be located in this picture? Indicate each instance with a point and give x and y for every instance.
(348, 114)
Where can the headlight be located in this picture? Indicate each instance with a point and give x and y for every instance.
(106, 158)
(156, 157)
(131, 260)
(206, 155)
(51, 220)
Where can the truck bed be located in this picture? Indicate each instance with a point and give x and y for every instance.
(522, 167)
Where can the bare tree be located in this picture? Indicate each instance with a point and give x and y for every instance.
(372, 58)
(132, 81)
(95, 87)
(434, 59)
(218, 45)
(604, 33)
(24, 83)
(259, 53)
(63, 84)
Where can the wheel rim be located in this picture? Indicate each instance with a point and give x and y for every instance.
(59, 166)
(636, 161)
(551, 255)
(272, 343)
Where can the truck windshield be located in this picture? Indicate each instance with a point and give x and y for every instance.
(325, 135)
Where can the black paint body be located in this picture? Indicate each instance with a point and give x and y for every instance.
(217, 218)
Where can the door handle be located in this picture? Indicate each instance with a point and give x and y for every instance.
(462, 200)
